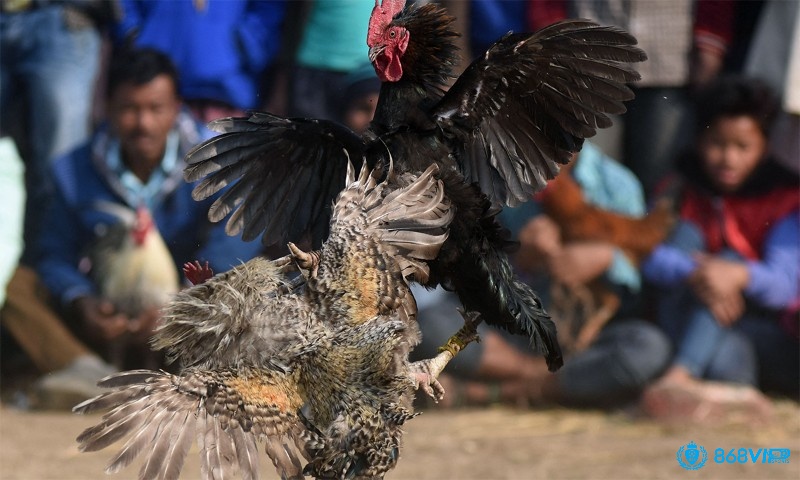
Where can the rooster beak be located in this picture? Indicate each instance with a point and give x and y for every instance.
(375, 51)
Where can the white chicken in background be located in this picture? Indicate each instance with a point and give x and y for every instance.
(131, 263)
(132, 267)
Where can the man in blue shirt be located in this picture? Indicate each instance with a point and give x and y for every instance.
(134, 162)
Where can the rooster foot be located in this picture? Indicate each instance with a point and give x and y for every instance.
(425, 380)
(305, 260)
(423, 377)
(426, 372)
(197, 273)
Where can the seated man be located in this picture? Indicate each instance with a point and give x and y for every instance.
(579, 247)
(121, 202)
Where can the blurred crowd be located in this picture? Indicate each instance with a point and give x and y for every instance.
(667, 252)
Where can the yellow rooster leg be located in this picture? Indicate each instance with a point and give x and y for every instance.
(425, 373)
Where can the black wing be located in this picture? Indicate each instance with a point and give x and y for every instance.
(528, 103)
(287, 174)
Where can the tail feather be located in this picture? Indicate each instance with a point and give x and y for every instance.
(156, 454)
(124, 419)
(286, 462)
(536, 323)
(218, 451)
(142, 437)
(486, 283)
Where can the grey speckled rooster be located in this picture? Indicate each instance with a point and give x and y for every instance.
(316, 370)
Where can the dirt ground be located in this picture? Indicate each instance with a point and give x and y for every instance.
(493, 443)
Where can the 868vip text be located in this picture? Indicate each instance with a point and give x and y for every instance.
(748, 455)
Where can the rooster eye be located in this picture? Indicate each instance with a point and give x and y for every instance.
(392, 34)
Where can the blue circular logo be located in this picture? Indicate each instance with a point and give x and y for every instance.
(692, 456)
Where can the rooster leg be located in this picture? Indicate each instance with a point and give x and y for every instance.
(305, 260)
(425, 373)
(285, 264)
(608, 304)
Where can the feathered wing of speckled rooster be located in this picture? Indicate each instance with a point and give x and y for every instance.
(316, 374)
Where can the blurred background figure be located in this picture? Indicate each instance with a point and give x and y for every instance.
(686, 42)
(730, 270)
(12, 190)
(774, 57)
(595, 249)
(49, 61)
(326, 43)
(359, 98)
(223, 49)
(120, 202)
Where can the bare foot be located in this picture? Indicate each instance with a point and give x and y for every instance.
(680, 398)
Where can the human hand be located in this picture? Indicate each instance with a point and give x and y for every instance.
(142, 327)
(704, 67)
(726, 309)
(539, 240)
(580, 262)
(720, 284)
(101, 319)
(717, 277)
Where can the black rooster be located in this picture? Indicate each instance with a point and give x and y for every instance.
(497, 135)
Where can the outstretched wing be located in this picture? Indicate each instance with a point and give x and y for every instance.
(528, 103)
(247, 315)
(286, 173)
(229, 414)
(407, 214)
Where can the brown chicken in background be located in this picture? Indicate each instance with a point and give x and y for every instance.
(316, 369)
(581, 311)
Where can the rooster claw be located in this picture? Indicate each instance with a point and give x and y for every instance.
(197, 273)
(424, 378)
(285, 264)
(304, 260)
(430, 385)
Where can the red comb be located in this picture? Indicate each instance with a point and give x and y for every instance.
(382, 15)
(393, 7)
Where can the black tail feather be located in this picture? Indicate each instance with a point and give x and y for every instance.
(474, 262)
(486, 283)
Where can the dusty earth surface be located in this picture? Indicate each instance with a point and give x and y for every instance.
(492, 443)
